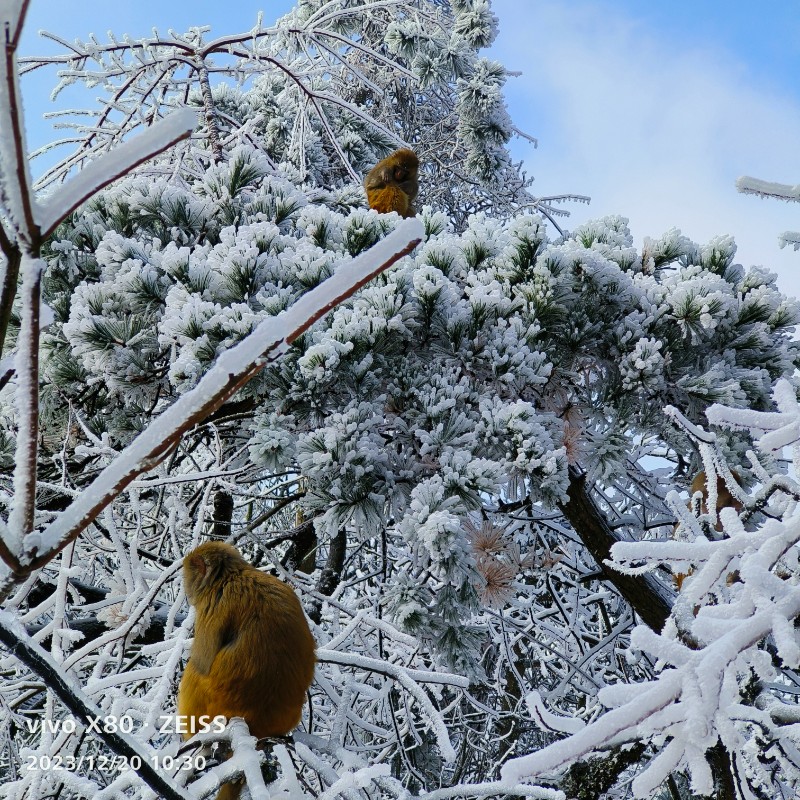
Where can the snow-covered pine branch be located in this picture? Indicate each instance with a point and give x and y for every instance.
(114, 165)
(731, 646)
(231, 371)
(438, 465)
(780, 191)
(331, 88)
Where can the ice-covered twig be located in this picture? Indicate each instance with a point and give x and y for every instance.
(547, 720)
(247, 758)
(36, 659)
(404, 678)
(112, 165)
(790, 239)
(392, 670)
(761, 188)
(15, 194)
(780, 191)
(694, 430)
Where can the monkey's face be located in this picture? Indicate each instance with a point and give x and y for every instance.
(399, 169)
(406, 179)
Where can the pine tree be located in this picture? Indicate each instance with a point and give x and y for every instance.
(442, 464)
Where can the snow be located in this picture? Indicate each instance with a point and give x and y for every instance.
(267, 342)
(26, 395)
(768, 188)
(593, 736)
(430, 420)
(114, 164)
(547, 720)
(712, 639)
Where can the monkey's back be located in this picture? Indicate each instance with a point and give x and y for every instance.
(265, 664)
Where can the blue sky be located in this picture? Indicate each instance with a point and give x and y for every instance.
(651, 108)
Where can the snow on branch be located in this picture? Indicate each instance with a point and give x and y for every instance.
(790, 239)
(12, 15)
(731, 635)
(408, 680)
(26, 366)
(15, 180)
(493, 789)
(415, 675)
(114, 164)
(781, 191)
(232, 370)
(36, 659)
(246, 761)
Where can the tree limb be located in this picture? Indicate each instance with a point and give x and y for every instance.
(37, 660)
(649, 598)
(230, 372)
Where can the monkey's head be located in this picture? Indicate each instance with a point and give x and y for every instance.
(398, 169)
(207, 564)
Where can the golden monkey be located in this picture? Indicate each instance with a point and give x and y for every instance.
(724, 497)
(392, 183)
(253, 653)
(724, 500)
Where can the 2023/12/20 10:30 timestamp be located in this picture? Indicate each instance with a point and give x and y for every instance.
(112, 763)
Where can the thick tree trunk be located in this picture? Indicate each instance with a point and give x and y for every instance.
(331, 574)
(649, 598)
(223, 514)
(302, 552)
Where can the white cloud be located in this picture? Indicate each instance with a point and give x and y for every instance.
(650, 128)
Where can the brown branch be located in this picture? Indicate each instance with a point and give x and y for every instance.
(302, 552)
(223, 514)
(331, 575)
(649, 598)
(15, 130)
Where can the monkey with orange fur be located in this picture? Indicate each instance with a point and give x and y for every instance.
(392, 183)
(724, 497)
(253, 653)
(724, 500)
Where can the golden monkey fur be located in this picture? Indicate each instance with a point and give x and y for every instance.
(253, 653)
(392, 183)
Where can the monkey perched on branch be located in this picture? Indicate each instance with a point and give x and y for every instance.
(392, 183)
(253, 653)
(724, 497)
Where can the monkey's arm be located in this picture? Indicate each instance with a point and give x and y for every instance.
(210, 637)
(389, 198)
